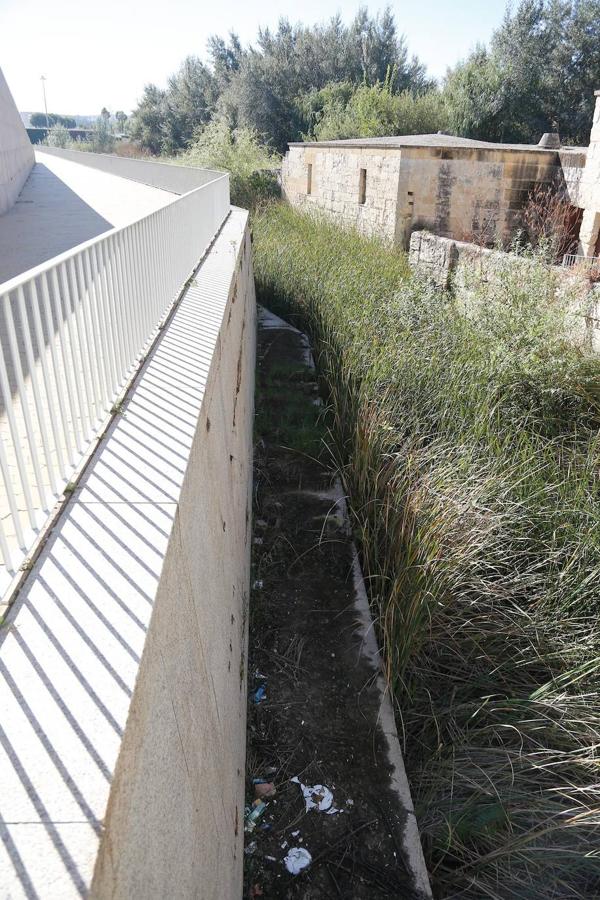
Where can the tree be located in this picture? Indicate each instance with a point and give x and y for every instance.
(539, 73)
(121, 118)
(103, 140)
(58, 136)
(38, 120)
(147, 123)
(342, 110)
(189, 103)
(260, 88)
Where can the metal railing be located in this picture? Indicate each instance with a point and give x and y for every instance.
(72, 334)
(585, 263)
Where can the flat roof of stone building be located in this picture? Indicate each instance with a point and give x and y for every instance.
(434, 141)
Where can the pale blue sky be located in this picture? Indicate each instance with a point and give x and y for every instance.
(101, 53)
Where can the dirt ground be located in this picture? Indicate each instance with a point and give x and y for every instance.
(315, 714)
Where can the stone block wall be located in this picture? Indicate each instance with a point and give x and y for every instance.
(459, 192)
(335, 183)
(16, 153)
(466, 193)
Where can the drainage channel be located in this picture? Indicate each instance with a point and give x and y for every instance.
(328, 811)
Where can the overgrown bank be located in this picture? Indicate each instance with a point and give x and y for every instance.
(469, 446)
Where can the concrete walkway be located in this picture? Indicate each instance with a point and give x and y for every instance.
(63, 204)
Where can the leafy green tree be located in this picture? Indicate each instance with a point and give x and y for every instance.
(343, 110)
(539, 73)
(147, 124)
(121, 118)
(38, 120)
(58, 136)
(260, 88)
(189, 102)
(103, 140)
(240, 152)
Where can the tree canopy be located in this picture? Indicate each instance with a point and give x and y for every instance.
(330, 80)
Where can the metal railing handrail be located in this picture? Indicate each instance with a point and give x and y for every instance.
(34, 271)
(73, 331)
(572, 259)
(167, 176)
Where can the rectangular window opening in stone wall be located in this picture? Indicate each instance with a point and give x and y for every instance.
(362, 186)
(309, 178)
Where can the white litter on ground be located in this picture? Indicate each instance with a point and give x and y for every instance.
(317, 796)
(297, 859)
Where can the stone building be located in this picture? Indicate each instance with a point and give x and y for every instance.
(455, 187)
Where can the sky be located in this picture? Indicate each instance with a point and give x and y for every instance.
(102, 53)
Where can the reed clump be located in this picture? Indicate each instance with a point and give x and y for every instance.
(468, 441)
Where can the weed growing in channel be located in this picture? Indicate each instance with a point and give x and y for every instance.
(468, 440)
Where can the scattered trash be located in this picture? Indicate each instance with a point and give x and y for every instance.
(260, 523)
(295, 833)
(259, 694)
(259, 676)
(297, 859)
(264, 789)
(271, 858)
(257, 540)
(316, 797)
(250, 849)
(258, 584)
(284, 845)
(253, 814)
(270, 770)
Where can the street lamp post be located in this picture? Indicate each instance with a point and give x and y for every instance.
(43, 80)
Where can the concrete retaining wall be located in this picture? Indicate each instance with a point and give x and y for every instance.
(16, 152)
(167, 177)
(123, 660)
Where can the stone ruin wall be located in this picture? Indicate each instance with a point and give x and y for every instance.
(464, 267)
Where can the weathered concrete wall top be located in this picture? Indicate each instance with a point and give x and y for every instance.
(16, 152)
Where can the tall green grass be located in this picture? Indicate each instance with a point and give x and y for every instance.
(468, 440)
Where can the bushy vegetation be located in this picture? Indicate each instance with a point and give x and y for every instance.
(469, 445)
(58, 136)
(41, 120)
(241, 153)
(343, 110)
(331, 80)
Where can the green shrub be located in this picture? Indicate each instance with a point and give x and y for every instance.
(468, 442)
(344, 111)
(58, 136)
(252, 166)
